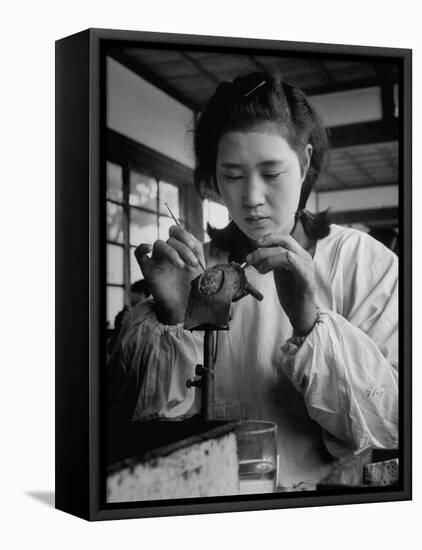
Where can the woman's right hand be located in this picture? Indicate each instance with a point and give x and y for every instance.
(170, 270)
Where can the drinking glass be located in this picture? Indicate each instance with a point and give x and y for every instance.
(257, 455)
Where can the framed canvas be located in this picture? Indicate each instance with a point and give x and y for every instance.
(233, 274)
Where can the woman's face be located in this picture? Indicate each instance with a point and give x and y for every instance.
(259, 178)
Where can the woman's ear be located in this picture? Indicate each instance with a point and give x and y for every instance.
(308, 156)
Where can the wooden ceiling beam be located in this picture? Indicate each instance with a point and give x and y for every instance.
(387, 99)
(363, 133)
(346, 86)
(369, 216)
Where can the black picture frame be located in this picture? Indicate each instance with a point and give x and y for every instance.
(80, 260)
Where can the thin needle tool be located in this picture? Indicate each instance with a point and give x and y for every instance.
(176, 221)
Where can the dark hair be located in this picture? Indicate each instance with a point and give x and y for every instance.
(252, 99)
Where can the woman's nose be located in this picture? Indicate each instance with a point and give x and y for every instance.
(252, 192)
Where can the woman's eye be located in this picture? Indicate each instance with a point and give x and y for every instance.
(272, 176)
(232, 178)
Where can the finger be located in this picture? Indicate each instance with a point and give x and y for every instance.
(267, 259)
(278, 258)
(287, 241)
(143, 248)
(161, 250)
(184, 251)
(262, 254)
(143, 262)
(181, 234)
(141, 251)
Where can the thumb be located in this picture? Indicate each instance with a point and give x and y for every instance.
(141, 256)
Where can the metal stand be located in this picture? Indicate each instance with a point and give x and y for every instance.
(206, 374)
(208, 309)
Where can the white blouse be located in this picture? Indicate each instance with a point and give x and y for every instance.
(331, 395)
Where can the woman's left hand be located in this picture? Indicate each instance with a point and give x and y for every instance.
(294, 277)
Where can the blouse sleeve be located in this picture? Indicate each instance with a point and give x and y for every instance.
(149, 367)
(346, 368)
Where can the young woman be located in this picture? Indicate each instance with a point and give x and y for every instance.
(318, 355)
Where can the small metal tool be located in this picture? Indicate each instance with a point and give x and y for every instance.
(278, 231)
(179, 224)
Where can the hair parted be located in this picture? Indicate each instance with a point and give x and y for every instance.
(253, 99)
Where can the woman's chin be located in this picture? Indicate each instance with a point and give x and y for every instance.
(254, 234)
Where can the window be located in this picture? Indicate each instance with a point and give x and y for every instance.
(136, 213)
(140, 181)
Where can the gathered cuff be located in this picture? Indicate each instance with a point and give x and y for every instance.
(175, 329)
(149, 315)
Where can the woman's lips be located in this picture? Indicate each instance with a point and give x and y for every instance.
(257, 221)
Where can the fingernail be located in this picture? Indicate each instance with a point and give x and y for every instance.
(194, 261)
(179, 263)
(248, 258)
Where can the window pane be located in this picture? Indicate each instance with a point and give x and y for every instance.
(164, 226)
(143, 227)
(114, 182)
(215, 214)
(135, 270)
(169, 194)
(115, 296)
(114, 222)
(143, 191)
(114, 264)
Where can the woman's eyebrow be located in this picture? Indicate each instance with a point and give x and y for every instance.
(271, 162)
(231, 165)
